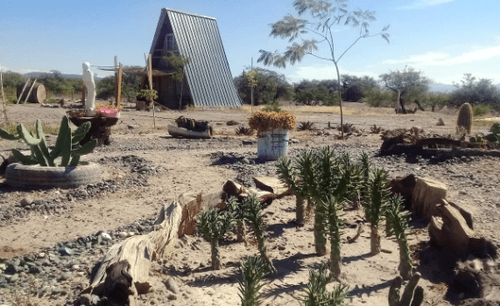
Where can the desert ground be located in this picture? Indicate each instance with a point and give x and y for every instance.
(144, 167)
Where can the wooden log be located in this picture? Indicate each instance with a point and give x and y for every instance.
(29, 91)
(22, 91)
(183, 132)
(133, 257)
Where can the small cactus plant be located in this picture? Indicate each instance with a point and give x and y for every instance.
(413, 295)
(375, 204)
(67, 144)
(213, 225)
(398, 225)
(316, 293)
(238, 213)
(252, 272)
(254, 216)
(464, 121)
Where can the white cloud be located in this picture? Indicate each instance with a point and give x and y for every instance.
(420, 4)
(445, 59)
(3, 68)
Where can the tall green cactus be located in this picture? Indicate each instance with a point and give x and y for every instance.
(397, 219)
(67, 144)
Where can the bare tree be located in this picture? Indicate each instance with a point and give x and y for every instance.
(407, 81)
(325, 15)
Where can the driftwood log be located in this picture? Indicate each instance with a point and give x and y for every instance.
(183, 132)
(124, 270)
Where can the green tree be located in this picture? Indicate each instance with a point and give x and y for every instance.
(437, 100)
(325, 15)
(178, 62)
(269, 86)
(354, 88)
(475, 91)
(407, 82)
(12, 79)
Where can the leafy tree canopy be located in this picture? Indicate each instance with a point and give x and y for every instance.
(475, 91)
(305, 35)
(268, 86)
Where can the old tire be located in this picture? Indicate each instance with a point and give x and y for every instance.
(37, 177)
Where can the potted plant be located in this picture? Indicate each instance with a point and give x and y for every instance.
(272, 130)
(108, 110)
(57, 166)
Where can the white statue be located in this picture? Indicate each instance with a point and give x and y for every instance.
(88, 78)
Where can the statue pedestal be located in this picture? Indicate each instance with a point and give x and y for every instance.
(100, 128)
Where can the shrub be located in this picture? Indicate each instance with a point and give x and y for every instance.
(379, 98)
(265, 121)
(316, 293)
(480, 109)
(314, 95)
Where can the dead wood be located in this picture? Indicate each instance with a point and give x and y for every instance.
(185, 133)
(124, 270)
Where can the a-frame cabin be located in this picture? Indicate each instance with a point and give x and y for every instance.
(207, 77)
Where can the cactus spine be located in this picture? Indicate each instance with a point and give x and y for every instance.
(67, 144)
(464, 121)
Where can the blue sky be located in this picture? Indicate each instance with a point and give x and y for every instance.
(442, 38)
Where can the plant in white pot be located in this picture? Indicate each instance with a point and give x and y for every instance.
(46, 167)
(272, 129)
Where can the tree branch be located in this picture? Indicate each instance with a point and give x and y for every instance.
(322, 58)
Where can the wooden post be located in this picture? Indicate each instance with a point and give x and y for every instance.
(4, 110)
(119, 90)
(22, 91)
(29, 92)
(84, 89)
(116, 76)
(150, 77)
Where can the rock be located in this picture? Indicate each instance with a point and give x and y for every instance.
(14, 278)
(247, 141)
(66, 276)
(272, 184)
(232, 122)
(172, 297)
(440, 122)
(34, 269)
(28, 200)
(12, 269)
(293, 140)
(64, 251)
(232, 188)
(85, 299)
(449, 229)
(105, 236)
(426, 195)
(122, 235)
(404, 186)
(172, 286)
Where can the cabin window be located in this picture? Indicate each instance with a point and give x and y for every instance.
(170, 43)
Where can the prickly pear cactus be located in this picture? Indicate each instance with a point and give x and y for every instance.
(464, 121)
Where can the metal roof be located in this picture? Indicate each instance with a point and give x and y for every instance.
(207, 73)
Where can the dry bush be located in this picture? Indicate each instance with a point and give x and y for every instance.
(244, 131)
(267, 121)
(306, 126)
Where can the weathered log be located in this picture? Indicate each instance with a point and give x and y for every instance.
(183, 132)
(272, 184)
(124, 270)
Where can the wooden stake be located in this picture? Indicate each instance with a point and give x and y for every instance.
(150, 77)
(84, 89)
(4, 113)
(22, 91)
(119, 90)
(116, 76)
(29, 92)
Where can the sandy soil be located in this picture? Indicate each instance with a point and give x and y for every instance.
(188, 166)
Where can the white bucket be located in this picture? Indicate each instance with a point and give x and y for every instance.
(272, 144)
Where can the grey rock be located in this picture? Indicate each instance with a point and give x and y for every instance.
(13, 269)
(172, 285)
(64, 251)
(34, 269)
(172, 297)
(26, 201)
(66, 276)
(14, 278)
(85, 299)
(247, 141)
